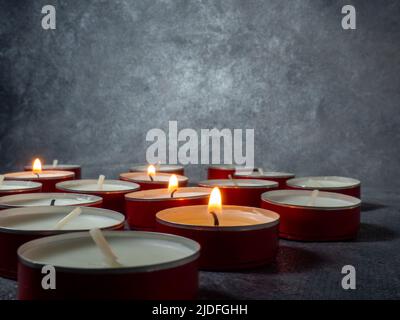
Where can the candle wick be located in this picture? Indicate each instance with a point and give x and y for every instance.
(172, 193)
(216, 221)
(53, 202)
(37, 174)
(151, 178)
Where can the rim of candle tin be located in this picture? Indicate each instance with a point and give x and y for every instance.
(52, 210)
(58, 166)
(218, 228)
(62, 175)
(133, 195)
(127, 177)
(267, 174)
(265, 195)
(228, 167)
(295, 182)
(92, 199)
(190, 244)
(163, 167)
(31, 185)
(68, 186)
(259, 183)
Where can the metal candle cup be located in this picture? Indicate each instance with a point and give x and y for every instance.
(163, 168)
(112, 191)
(21, 225)
(142, 206)
(279, 177)
(160, 180)
(241, 192)
(154, 266)
(10, 187)
(343, 185)
(63, 167)
(332, 217)
(220, 171)
(245, 237)
(49, 199)
(48, 179)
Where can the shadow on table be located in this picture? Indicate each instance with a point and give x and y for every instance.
(370, 206)
(374, 233)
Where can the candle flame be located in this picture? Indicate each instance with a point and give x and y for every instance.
(37, 166)
(215, 202)
(173, 183)
(151, 170)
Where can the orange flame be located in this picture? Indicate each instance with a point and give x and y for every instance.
(151, 170)
(215, 202)
(173, 183)
(37, 166)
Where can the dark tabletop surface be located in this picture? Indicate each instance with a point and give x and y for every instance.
(313, 270)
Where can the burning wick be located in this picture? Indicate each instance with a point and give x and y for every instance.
(215, 205)
(70, 216)
(100, 181)
(105, 248)
(151, 172)
(53, 202)
(37, 167)
(1, 179)
(173, 185)
(261, 171)
(55, 163)
(313, 198)
(233, 180)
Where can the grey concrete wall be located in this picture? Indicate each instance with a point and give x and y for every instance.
(321, 100)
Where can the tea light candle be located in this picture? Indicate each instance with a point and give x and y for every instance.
(152, 266)
(21, 225)
(49, 199)
(222, 171)
(231, 237)
(11, 187)
(164, 168)
(112, 191)
(77, 169)
(279, 177)
(142, 206)
(349, 186)
(241, 192)
(151, 179)
(48, 179)
(309, 216)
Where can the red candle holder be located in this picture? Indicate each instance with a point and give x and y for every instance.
(163, 168)
(21, 225)
(49, 199)
(10, 187)
(241, 192)
(48, 179)
(279, 177)
(333, 217)
(160, 180)
(112, 191)
(142, 206)
(343, 185)
(246, 237)
(220, 171)
(77, 169)
(154, 267)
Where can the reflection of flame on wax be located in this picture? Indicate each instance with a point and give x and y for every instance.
(172, 185)
(37, 166)
(215, 204)
(151, 171)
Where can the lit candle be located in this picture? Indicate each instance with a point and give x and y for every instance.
(163, 168)
(59, 167)
(314, 215)
(112, 191)
(152, 179)
(49, 199)
(348, 186)
(241, 192)
(20, 225)
(149, 267)
(48, 178)
(10, 187)
(231, 237)
(259, 173)
(142, 206)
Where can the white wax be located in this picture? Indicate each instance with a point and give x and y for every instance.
(131, 252)
(17, 185)
(142, 176)
(91, 185)
(44, 199)
(51, 174)
(162, 194)
(324, 182)
(58, 166)
(159, 167)
(239, 183)
(271, 174)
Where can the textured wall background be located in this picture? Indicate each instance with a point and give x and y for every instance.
(322, 100)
